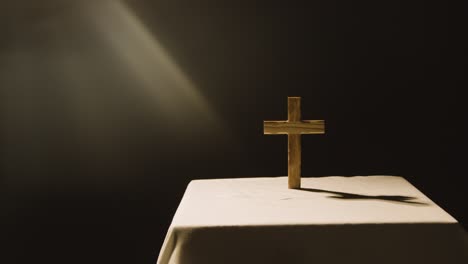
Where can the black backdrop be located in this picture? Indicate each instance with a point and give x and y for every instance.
(93, 170)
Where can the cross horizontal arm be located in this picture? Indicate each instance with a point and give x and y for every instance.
(291, 128)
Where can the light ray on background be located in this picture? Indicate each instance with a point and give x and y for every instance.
(162, 79)
(88, 86)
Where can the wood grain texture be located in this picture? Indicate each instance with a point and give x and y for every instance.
(294, 161)
(294, 109)
(294, 127)
(294, 144)
(300, 127)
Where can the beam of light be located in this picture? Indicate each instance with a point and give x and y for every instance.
(60, 103)
(162, 79)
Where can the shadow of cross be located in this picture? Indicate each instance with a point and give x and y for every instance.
(345, 195)
(294, 127)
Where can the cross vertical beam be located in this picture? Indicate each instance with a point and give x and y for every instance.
(294, 127)
(294, 145)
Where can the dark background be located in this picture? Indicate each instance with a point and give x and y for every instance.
(94, 161)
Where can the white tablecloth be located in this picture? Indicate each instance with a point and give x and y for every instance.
(371, 219)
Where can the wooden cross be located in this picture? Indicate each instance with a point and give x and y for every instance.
(294, 127)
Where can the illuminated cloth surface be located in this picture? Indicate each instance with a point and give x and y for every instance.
(372, 219)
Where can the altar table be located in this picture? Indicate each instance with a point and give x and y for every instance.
(360, 219)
